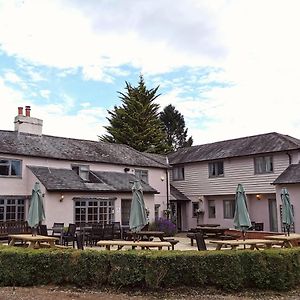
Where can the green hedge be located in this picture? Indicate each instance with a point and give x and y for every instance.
(231, 270)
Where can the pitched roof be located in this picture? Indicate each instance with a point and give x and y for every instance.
(12, 142)
(251, 145)
(177, 195)
(290, 175)
(160, 158)
(67, 180)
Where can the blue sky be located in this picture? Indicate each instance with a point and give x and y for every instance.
(230, 67)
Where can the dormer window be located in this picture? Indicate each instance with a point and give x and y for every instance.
(10, 167)
(82, 170)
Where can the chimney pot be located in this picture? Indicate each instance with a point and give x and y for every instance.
(27, 111)
(20, 111)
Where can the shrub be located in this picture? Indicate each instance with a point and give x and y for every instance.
(165, 225)
(229, 270)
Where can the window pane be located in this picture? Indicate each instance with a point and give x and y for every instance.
(178, 173)
(216, 169)
(263, 164)
(4, 170)
(211, 209)
(16, 168)
(229, 208)
(195, 206)
(141, 174)
(125, 211)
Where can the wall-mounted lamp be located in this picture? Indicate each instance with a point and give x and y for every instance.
(162, 178)
(258, 196)
(61, 198)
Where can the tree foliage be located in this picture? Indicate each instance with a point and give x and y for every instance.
(136, 122)
(174, 126)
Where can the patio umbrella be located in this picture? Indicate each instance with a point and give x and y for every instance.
(36, 213)
(138, 216)
(241, 215)
(287, 212)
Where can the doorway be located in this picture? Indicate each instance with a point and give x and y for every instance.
(178, 217)
(273, 215)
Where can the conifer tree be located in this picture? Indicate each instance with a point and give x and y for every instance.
(174, 126)
(136, 122)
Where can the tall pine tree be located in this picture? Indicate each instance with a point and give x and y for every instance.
(174, 126)
(136, 123)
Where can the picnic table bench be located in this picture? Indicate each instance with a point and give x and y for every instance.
(133, 244)
(33, 241)
(212, 233)
(253, 243)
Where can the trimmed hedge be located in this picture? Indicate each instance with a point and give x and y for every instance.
(230, 270)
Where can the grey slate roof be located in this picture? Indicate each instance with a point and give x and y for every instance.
(67, 180)
(12, 142)
(290, 175)
(162, 159)
(251, 145)
(177, 194)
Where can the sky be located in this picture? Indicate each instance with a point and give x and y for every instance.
(230, 67)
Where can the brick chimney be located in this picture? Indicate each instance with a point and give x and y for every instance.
(27, 124)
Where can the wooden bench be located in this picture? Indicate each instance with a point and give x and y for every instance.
(133, 245)
(13, 227)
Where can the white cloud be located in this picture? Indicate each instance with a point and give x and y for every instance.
(100, 34)
(45, 93)
(252, 45)
(12, 77)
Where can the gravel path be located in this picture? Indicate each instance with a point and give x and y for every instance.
(49, 293)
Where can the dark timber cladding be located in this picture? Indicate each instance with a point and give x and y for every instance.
(252, 145)
(12, 142)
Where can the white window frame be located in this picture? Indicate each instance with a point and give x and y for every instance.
(142, 174)
(8, 162)
(94, 211)
(83, 171)
(263, 164)
(18, 203)
(178, 173)
(230, 205)
(216, 169)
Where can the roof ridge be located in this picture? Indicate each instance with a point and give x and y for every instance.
(230, 140)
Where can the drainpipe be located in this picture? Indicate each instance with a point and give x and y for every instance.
(167, 183)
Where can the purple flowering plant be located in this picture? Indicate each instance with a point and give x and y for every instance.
(165, 225)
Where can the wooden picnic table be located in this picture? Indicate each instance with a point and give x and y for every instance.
(142, 235)
(253, 243)
(289, 241)
(208, 232)
(133, 244)
(34, 241)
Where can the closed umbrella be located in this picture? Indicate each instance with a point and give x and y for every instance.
(138, 216)
(241, 215)
(36, 212)
(287, 212)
